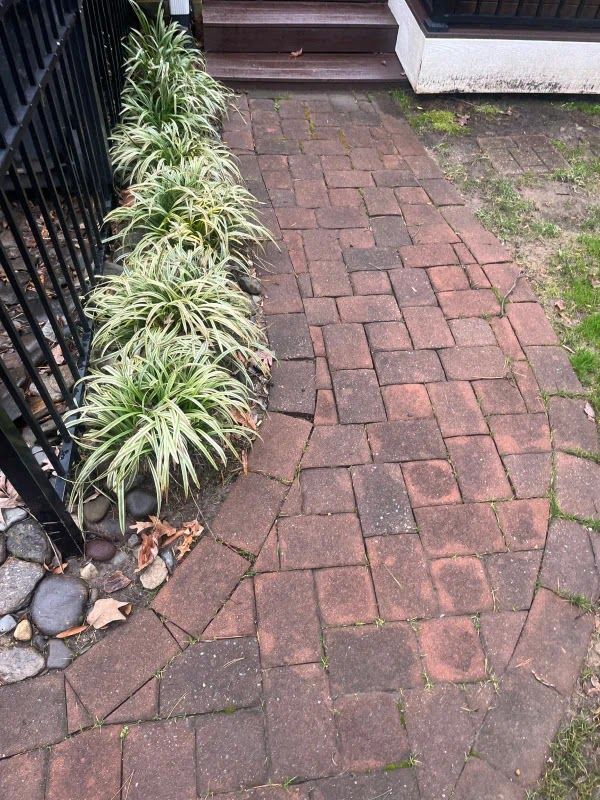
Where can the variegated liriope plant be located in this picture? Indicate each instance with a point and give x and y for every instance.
(176, 342)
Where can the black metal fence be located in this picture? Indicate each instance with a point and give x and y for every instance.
(548, 14)
(60, 82)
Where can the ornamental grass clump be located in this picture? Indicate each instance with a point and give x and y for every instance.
(170, 103)
(151, 411)
(182, 206)
(166, 80)
(208, 307)
(138, 150)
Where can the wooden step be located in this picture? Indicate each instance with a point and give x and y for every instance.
(234, 26)
(240, 69)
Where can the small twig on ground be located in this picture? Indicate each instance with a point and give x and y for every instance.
(510, 291)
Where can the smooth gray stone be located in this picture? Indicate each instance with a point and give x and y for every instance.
(59, 656)
(112, 268)
(58, 604)
(95, 510)
(140, 503)
(250, 285)
(7, 624)
(12, 515)
(99, 550)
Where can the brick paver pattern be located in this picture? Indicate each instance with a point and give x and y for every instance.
(380, 604)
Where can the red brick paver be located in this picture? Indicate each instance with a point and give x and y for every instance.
(390, 554)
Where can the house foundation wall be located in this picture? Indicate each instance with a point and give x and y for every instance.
(449, 62)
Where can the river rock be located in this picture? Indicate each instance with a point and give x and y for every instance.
(28, 540)
(12, 515)
(140, 503)
(58, 603)
(112, 268)
(7, 624)
(121, 560)
(19, 663)
(154, 574)
(99, 549)
(88, 572)
(2, 549)
(95, 510)
(50, 383)
(169, 559)
(59, 656)
(108, 529)
(249, 284)
(23, 631)
(18, 579)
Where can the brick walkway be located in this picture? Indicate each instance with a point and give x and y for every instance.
(397, 508)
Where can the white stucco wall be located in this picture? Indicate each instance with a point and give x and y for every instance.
(443, 64)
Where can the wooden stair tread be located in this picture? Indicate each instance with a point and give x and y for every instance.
(311, 67)
(236, 13)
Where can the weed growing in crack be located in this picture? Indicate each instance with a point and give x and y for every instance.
(574, 764)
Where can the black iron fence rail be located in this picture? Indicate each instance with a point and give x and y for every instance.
(61, 74)
(536, 14)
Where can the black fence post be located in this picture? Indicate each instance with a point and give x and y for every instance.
(31, 482)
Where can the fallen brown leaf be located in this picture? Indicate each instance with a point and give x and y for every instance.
(162, 528)
(58, 354)
(107, 610)
(72, 631)
(148, 550)
(170, 539)
(184, 547)
(194, 527)
(116, 581)
(138, 527)
(244, 418)
(266, 359)
(589, 411)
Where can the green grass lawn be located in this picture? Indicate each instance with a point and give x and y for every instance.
(577, 273)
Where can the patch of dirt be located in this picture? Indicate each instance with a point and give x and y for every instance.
(564, 129)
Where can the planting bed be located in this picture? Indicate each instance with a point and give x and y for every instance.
(179, 368)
